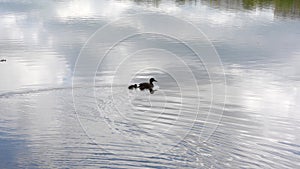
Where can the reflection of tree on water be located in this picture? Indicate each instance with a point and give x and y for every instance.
(252, 4)
(284, 8)
(148, 2)
(287, 8)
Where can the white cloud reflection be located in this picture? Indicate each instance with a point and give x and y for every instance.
(28, 49)
(41, 45)
(80, 9)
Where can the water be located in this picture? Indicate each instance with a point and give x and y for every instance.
(65, 103)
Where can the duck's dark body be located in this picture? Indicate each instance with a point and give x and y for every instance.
(143, 86)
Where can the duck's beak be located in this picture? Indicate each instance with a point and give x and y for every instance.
(155, 80)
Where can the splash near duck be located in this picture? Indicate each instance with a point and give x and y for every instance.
(142, 86)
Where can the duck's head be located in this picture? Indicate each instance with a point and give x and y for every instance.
(152, 80)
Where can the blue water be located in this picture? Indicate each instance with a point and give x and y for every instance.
(226, 97)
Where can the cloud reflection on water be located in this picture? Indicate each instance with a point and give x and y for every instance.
(259, 50)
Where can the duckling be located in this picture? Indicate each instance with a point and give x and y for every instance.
(132, 87)
(3, 60)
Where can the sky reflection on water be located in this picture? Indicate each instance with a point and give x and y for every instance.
(258, 44)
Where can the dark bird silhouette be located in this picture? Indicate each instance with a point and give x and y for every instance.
(145, 85)
(3, 60)
(132, 87)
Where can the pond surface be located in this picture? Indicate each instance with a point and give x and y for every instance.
(227, 95)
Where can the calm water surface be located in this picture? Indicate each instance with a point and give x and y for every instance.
(64, 105)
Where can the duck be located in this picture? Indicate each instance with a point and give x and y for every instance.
(145, 85)
(3, 60)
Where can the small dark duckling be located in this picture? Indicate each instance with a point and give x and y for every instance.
(3, 60)
(132, 87)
